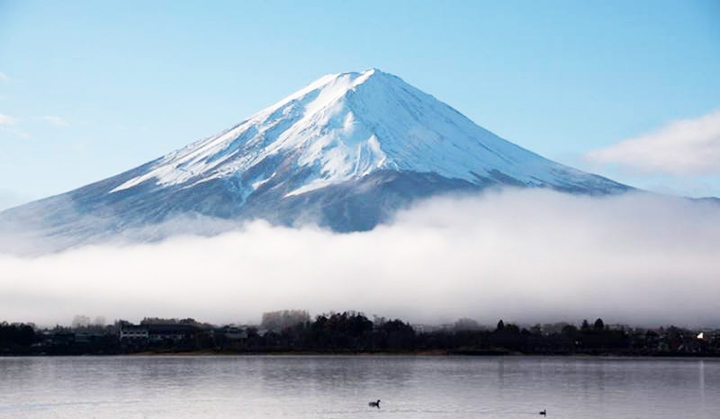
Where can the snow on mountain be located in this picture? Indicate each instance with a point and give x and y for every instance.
(348, 125)
(346, 152)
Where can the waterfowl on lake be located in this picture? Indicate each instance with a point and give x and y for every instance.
(375, 404)
(543, 412)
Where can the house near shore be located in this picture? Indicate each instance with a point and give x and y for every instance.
(234, 333)
(131, 332)
(172, 333)
(159, 334)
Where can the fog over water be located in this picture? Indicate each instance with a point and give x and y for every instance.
(521, 255)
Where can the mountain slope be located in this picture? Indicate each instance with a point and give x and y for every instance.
(344, 152)
(346, 126)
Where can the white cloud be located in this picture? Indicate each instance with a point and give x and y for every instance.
(55, 120)
(9, 124)
(7, 120)
(4, 77)
(527, 256)
(685, 147)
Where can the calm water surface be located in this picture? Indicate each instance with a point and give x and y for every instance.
(340, 387)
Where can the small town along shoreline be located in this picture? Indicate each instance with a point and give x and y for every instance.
(293, 332)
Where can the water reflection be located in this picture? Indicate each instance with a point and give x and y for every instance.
(701, 386)
(340, 387)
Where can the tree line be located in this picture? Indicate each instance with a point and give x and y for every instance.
(352, 332)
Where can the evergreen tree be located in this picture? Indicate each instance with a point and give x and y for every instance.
(599, 325)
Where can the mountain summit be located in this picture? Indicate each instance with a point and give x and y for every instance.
(344, 152)
(347, 126)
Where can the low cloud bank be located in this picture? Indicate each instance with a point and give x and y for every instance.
(525, 256)
(685, 147)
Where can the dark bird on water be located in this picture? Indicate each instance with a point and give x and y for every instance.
(375, 404)
(543, 412)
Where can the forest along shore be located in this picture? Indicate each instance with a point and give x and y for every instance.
(351, 333)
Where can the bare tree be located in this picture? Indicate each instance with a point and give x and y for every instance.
(279, 320)
(80, 321)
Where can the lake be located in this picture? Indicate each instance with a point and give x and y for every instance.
(341, 387)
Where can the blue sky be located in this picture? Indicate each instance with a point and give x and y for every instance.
(629, 90)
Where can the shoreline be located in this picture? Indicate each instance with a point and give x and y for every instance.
(427, 353)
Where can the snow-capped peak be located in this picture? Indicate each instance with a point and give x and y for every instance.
(346, 126)
(345, 152)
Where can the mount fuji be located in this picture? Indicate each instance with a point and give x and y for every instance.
(345, 152)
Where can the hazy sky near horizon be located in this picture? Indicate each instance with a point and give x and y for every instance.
(624, 89)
